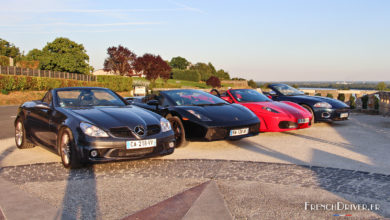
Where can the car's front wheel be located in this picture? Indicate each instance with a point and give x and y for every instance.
(69, 157)
(311, 111)
(178, 129)
(20, 136)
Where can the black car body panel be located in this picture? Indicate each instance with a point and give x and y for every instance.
(321, 114)
(222, 118)
(44, 121)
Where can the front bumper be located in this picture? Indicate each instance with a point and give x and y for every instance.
(112, 149)
(212, 133)
(325, 114)
(282, 123)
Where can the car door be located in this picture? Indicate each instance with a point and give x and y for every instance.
(40, 118)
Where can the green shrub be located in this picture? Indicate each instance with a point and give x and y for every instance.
(4, 61)
(189, 75)
(20, 83)
(329, 95)
(341, 97)
(5, 92)
(364, 102)
(376, 103)
(116, 83)
(318, 94)
(352, 101)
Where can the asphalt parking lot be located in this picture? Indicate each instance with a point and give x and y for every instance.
(264, 177)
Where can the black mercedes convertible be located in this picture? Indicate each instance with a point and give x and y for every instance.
(198, 115)
(89, 124)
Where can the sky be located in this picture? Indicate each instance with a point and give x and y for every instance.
(264, 40)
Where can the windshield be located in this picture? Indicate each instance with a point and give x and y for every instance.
(88, 97)
(193, 97)
(248, 95)
(287, 90)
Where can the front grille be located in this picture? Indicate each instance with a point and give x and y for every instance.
(121, 132)
(131, 153)
(342, 110)
(223, 132)
(287, 124)
(153, 129)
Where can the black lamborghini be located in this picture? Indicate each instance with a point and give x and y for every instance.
(88, 124)
(195, 114)
(322, 108)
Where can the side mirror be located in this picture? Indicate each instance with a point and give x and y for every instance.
(153, 102)
(43, 106)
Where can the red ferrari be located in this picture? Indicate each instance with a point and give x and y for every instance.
(274, 116)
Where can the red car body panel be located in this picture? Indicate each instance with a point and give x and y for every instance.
(270, 121)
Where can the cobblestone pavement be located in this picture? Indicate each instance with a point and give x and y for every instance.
(350, 185)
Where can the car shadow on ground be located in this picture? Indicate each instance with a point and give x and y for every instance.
(363, 192)
(80, 202)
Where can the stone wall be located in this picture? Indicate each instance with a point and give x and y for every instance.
(384, 105)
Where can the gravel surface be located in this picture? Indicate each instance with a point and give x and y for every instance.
(251, 189)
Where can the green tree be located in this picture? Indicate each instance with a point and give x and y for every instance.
(205, 70)
(222, 74)
(64, 55)
(179, 63)
(8, 49)
(381, 86)
(252, 84)
(34, 54)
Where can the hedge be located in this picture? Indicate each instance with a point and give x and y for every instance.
(189, 75)
(20, 83)
(116, 83)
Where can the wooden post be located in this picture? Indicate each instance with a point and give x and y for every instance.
(7, 70)
(14, 70)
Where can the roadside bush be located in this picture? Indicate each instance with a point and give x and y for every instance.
(318, 94)
(20, 83)
(214, 82)
(189, 75)
(4, 61)
(352, 101)
(116, 83)
(376, 103)
(341, 97)
(329, 95)
(364, 102)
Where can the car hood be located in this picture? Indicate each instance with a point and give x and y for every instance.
(109, 117)
(226, 113)
(334, 102)
(282, 108)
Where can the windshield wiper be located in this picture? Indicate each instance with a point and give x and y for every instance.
(209, 104)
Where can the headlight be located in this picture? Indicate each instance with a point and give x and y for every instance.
(270, 109)
(165, 125)
(322, 105)
(92, 130)
(198, 115)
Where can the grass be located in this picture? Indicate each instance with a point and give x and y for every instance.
(19, 97)
(177, 83)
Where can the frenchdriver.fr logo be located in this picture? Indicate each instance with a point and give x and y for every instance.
(341, 206)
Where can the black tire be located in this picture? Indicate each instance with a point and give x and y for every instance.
(178, 129)
(20, 136)
(66, 147)
(312, 113)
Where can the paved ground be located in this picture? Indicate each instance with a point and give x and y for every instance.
(265, 177)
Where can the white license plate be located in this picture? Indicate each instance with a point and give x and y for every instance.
(344, 115)
(303, 120)
(237, 132)
(141, 144)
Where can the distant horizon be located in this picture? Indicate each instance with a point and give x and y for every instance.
(279, 40)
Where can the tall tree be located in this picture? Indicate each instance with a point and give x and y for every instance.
(179, 63)
(252, 84)
(120, 60)
(8, 49)
(153, 67)
(381, 86)
(34, 54)
(64, 55)
(222, 74)
(205, 70)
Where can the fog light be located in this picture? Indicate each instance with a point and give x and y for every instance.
(171, 144)
(325, 115)
(94, 153)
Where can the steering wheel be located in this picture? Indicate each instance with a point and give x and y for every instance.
(215, 90)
